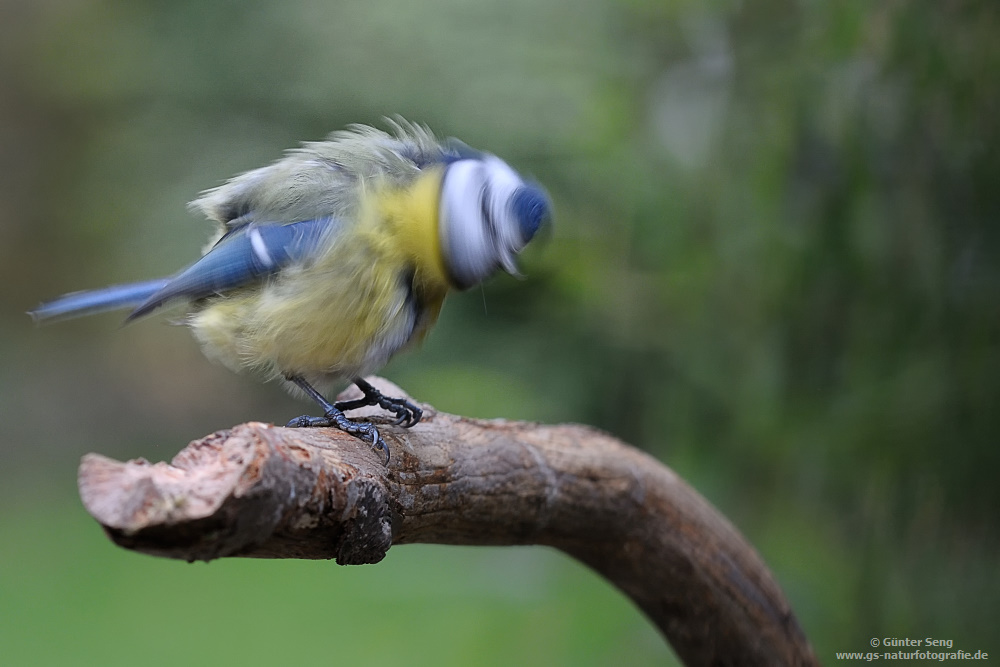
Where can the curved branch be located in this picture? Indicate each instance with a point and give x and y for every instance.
(261, 491)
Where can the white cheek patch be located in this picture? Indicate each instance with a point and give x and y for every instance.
(466, 246)
(502, 183)
(478, 232)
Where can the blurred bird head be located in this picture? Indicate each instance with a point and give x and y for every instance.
(489, 213)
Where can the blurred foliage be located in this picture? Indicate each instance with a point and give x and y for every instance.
(774, 265)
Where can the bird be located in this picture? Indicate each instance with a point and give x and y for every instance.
(329, 261)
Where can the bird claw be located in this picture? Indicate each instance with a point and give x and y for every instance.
(380, 445)
(366, 431)
(407, 413)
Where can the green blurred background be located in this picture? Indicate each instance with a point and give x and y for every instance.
(773, 267)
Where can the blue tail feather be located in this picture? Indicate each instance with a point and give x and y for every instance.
(245, 255)
(79, 304)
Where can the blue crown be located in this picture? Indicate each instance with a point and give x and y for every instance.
(530, 205)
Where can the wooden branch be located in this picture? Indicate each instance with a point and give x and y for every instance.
(261, 491)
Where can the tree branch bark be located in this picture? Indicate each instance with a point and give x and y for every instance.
(261, 491)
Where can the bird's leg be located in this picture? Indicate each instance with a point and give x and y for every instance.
(407, 414)
(334, 416)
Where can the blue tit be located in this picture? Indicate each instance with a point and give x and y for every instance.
(329, 261)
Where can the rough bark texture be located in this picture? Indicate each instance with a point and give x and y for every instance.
(261, 491)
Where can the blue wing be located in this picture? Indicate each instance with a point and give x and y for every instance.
(245, 255)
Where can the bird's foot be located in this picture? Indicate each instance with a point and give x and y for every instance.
(407, 413)
(362, 430)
